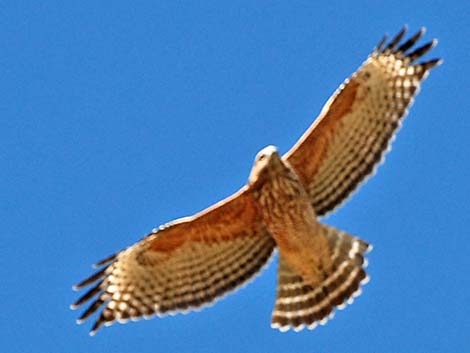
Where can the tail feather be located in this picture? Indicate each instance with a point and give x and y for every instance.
(300, 304)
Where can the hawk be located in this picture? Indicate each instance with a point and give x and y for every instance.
(190, 262)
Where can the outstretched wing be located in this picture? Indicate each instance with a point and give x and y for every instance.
(355, 127)
(181, 266)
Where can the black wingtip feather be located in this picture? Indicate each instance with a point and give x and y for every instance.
(97, 325)
(432, 63)
(87, 296)
(90, 310)
(416, 54)
(394, 42)
(379, 47)
(106, 261)
(93, 278)
(410, 42)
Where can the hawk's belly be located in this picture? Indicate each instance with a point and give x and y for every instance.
(289, 216)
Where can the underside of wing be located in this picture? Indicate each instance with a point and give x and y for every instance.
(354, 129)
(181, 266)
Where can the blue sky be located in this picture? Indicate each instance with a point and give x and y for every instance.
(117, 117)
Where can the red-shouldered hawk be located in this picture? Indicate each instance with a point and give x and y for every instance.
(192, 261)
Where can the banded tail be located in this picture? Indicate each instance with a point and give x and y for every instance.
(300, 304)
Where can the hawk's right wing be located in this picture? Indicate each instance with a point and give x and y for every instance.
(355, 127)
(181, 266)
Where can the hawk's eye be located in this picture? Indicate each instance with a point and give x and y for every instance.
(263, 156)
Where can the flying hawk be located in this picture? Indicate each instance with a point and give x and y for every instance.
(190, 262)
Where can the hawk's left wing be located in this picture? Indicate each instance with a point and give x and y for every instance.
(355, 127)
(181, 266)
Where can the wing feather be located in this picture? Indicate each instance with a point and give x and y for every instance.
(355, 127)
(181, 266)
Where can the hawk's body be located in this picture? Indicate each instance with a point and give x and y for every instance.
(312, 256)
(192, 261)
(287, 212)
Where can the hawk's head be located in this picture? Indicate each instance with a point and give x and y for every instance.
(268, 163)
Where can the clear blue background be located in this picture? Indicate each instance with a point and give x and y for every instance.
(120, 116)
